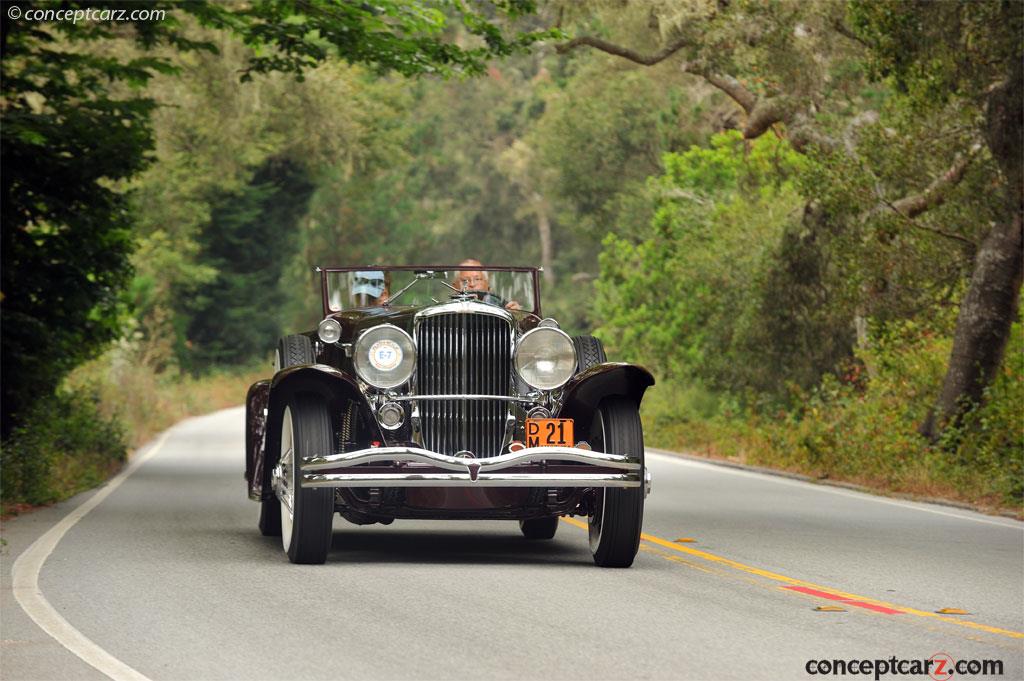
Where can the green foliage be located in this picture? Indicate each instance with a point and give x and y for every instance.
(684, 296)
(409, 38)
(603, 137)
(865, 428)
(66, 446)
(936, 51)
(988, 443)
(248, 242)
(340, 128)
(74, 121)
(861, 426)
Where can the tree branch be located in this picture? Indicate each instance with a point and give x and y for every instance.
(762, 113)
(624, 52)
(767, 112)
(840, 27)
(934, 230)
(935, 193)
(727, 84)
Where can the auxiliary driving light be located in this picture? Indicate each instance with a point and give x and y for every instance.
(539, 413)
(329, 330)
(391, 415)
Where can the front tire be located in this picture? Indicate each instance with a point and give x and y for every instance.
(291, 351)
(539, 528)
(617, 516)
(270, 517)
(306, 513)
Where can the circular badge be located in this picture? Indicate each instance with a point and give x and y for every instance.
(385, 355)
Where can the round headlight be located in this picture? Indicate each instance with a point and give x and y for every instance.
(545, 358)
(384, 356)
(329, 330)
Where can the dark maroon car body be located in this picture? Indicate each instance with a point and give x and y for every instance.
(333, 379)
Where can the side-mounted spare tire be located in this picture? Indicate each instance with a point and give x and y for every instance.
(291, 351)
(589, 351)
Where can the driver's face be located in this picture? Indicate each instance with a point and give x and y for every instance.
(473, 281)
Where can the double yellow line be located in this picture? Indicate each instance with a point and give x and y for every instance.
(790, 582)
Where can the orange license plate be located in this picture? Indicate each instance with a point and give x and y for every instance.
(549, 433)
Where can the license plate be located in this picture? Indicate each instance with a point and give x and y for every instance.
(549, 433)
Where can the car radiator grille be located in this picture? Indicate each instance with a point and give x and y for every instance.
(464, 353)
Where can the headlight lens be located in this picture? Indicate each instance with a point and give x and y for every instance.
(545, 358)
(384, 356)
(329, 330)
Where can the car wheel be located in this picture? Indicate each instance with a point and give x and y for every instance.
(617, 513)
(589, 352)
(306, 513)
(539, 528)
(291, 351)
(270, 517)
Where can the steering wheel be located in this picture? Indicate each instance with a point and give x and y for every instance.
(485, 297)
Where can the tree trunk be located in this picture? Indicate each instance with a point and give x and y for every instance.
(544, 231)
(990, 304)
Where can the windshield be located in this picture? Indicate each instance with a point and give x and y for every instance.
(346, 289)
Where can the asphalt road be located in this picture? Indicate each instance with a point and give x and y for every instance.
(167, 577)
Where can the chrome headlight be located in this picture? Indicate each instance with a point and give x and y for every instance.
(384, 356)
(545, 358)
(329, 330)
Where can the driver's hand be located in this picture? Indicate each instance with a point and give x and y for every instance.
(513, 305)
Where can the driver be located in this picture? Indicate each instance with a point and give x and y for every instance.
(370, 288)
(476, 281)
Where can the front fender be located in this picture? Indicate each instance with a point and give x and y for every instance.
(336, 387)
(584, 391)
(256, 401)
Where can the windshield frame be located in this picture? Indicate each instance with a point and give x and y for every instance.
(534, 272)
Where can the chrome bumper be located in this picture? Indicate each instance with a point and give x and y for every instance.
(458, 471)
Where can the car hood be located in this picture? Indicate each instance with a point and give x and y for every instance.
(354, 321)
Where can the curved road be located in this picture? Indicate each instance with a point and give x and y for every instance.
(168, 578)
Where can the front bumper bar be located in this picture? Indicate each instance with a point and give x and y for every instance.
(530, 467)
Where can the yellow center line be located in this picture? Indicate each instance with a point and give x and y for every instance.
(790, 581)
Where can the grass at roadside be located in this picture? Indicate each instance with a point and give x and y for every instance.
(81, 437)
(863, 428)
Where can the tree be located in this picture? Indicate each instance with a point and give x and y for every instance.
(249, 241)
(408, 38)
(74, 123)
(798, 70)
(969, 53)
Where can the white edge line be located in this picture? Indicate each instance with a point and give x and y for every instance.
(826, 489)
(25, 582)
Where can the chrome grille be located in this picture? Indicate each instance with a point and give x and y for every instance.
(463, 353)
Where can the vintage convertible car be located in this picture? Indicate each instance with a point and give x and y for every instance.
(441, 392)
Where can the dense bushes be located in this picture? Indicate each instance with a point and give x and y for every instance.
(685, 295)
(862, 426)
(712, 297)
(65, 447)
(80, 437)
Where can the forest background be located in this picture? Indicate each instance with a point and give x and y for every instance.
(791, 212)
